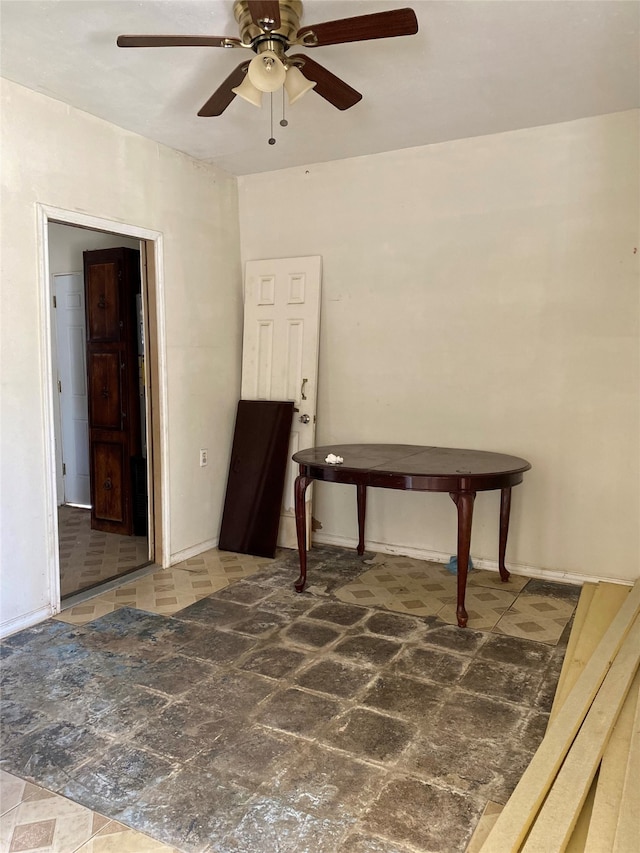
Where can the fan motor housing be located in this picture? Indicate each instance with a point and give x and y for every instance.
(290, 15)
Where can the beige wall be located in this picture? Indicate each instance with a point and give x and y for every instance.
(62, 157)
(481, 293)
(477, 293)
(66, 245)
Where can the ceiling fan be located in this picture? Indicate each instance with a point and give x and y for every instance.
(270, 28)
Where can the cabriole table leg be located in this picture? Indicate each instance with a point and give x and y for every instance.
(362, 509)
(505, 511)
(300, 487)
(464, 502)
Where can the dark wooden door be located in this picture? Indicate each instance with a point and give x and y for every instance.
(112, 280)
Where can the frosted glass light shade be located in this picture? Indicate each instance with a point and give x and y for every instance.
(266, 72)
(296, 84)
(248, 91)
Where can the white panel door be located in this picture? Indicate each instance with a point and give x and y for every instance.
(72, 386)
(280, 355)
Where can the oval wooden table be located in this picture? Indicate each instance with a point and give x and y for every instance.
(461, 473)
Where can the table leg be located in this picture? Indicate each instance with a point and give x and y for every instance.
(362, 509)
(505, 511)
(464, 503)
(300, 487)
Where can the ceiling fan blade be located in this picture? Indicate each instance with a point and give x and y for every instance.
(330, 87)
(380, 25)
(261, 9)
(222, 97)
(177, 41)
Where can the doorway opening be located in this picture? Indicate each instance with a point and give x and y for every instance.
(91, 384)
(93, 542)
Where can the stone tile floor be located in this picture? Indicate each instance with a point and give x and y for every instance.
(256, 719)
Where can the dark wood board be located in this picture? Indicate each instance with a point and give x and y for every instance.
(255, 484)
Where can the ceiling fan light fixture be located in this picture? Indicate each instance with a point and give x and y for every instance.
(296, 84)
(266, 71)
(269, 28)
(248, 91)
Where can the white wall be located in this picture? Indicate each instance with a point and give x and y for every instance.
(67, 243)
(59, 156)
(481, 293)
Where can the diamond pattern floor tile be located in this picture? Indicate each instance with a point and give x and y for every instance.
(89, 610)
(485, 608)
(46, 823)
(402, 584)
(424, 588)
(117, 838)
(169, 590)
(89, 557)
(536, 617)
(36, 820)
(13, 791)
(223, 563)
(414, 606)
(166, 591)
(480, 577)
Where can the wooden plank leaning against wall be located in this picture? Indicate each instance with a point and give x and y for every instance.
(591, 751)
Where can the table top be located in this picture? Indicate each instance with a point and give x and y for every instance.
(409, 466)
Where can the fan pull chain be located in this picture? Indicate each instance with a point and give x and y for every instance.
(272, 139)
(283, 120)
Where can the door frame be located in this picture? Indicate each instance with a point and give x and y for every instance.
(157, 401)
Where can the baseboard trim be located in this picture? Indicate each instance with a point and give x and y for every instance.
(27, 620)
(478, 562)
(193, 551)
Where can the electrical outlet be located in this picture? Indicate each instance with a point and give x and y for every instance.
(203, 457)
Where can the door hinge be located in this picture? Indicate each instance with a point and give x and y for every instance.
(64, 469)
(55, 301)
(59, 387)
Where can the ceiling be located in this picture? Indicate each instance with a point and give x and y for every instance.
(475, 67)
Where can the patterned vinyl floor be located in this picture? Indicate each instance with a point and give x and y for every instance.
(167, 591)
(423, 588)
(89, 557)
(34, 819)
(400, 584)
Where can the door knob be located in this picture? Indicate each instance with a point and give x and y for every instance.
(304, 419)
